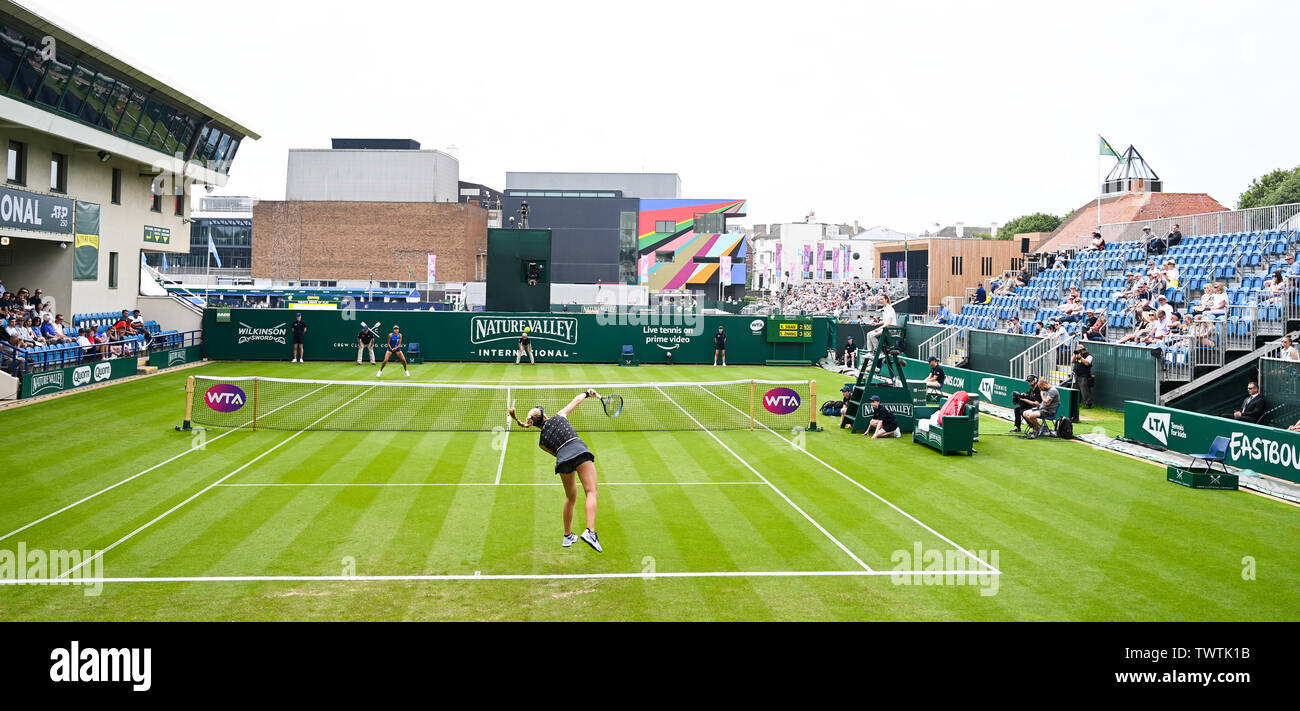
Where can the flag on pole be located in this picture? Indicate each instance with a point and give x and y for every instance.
(819, 266)
(164, 261)
(433, 268)
(1106, 150)
(724, 270)
(780, 270)
(212, 250)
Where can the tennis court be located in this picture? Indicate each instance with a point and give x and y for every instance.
(714, 522)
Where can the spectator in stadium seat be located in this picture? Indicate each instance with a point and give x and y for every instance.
(1173, 238)
(1013, 326)
(1288, 352)
(1155, 245)
(1162, 305)
(883, 420)
(1094, 329)
(83, 340)
(1170, 274)
(944, 314)
(1276, 287)
(1253, 407)
(1071, 310)
(1292, 269)
(1050, 402)
(1218, 305)
(1098, 244)
(850, 353)
(981, 296)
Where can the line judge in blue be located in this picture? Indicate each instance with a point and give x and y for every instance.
(394, 346)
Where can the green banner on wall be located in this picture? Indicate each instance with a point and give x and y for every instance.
(85, 248)
(263, 334)
(175, 356)
(54, 381)
(1266, 450)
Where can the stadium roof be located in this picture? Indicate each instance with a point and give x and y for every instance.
(82, 47)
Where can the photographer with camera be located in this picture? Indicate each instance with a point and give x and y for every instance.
(1081, 366)
(1026, 401)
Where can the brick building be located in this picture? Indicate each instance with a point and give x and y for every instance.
(370, 212)
(364, 241)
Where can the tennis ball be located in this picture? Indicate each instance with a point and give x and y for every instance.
(528, 330)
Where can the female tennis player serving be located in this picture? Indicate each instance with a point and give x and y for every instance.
(561, 441)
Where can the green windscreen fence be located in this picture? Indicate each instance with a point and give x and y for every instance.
(1123, 373)
(1221, 397)
(1279, 383)
(992, 352)
(916, 334)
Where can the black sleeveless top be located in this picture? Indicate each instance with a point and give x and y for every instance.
(557, 432)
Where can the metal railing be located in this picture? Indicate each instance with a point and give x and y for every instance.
(1240, 331)
(1023, 365)
(950, 346)
(1182, 353)
(1273, 217)
(185, 297)
(20, 361)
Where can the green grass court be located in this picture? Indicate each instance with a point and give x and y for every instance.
(729, 525)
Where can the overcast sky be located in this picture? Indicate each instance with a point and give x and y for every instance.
(901, 114)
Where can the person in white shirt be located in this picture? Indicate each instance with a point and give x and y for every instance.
(1164, 306)
(1288, 352)
(1171, 274)
(888, 317)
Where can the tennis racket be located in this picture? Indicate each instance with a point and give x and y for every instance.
(613, 404)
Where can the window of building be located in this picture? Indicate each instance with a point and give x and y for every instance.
(117, 186)
(58, 173)
(112, 270)
(710, 223)
(956, 266)
(156, 197)
(986, 266)
(17, 163)
(665, 226)
(664, 255)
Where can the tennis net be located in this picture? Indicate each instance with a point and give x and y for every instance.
(291, 404)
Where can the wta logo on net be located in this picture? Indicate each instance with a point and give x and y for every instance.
(225, 397)
(781, 401)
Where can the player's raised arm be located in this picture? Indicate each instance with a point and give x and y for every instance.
(574, 403)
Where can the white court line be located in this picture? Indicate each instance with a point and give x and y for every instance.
(476, 576)
(146, 471)
(506, 443)
(608, 483)
(249, 463)
(765, 481)
(888, 503)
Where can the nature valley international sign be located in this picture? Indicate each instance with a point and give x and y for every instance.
(487, 329)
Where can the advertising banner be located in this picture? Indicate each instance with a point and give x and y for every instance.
(263, 334)
(1267, 450)
(75, 376)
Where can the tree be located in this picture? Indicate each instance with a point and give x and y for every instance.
(1037, 222)
(1268, 190)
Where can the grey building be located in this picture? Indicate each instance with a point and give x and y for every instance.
(631, 185)
(593, 238)
(372, 170)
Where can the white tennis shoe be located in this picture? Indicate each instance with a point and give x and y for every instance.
(589, 537)
(569, 539)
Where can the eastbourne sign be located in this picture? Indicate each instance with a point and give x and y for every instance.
(22, 210)
(1266, 450)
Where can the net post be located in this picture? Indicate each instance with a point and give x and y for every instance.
(186, 425)
(812, 407)
(254, 404)
(751, 406)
